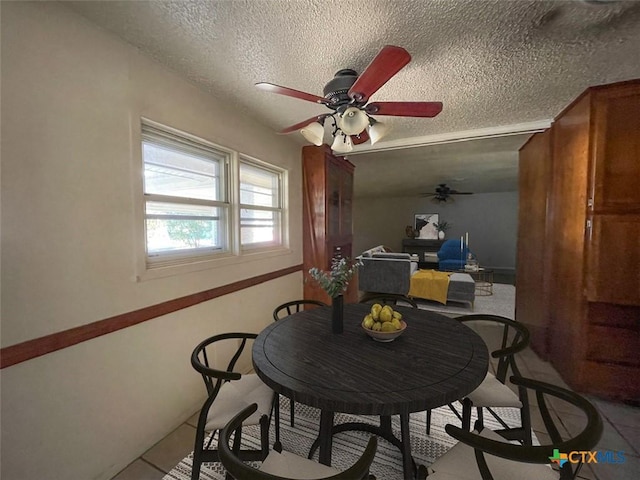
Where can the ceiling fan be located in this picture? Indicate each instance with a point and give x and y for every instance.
(444, 194)
(347, 95)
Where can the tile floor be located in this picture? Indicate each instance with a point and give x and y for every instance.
(621, 433)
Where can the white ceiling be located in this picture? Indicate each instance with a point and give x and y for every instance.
(498, 66)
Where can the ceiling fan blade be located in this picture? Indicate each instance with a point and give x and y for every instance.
(361, 138)
(385, 65)
(454, 192)
(302, 124)
(405, 109)
(290, 92)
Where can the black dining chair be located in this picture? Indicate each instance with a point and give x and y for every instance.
(505, 338)
(486, 455)
(229, 392)
(286, 465)
(284, 310)
(294, 306)
(388, 299)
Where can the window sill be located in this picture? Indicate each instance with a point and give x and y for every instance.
(152, 273)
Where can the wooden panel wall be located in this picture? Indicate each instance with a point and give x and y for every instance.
(534, 169)
(567, 223)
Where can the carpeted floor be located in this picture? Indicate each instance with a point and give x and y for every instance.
(348, 446)
(502, 303)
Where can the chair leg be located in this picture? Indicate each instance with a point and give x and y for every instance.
(197, 462)
(198, 454)
(277, 445)
(237, 438)
(264, 436)
(480, 416)
(466, 414)
(428, 422)
(292, 406)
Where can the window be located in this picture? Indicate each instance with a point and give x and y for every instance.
(260, 206)
(190, 214)
(186, 196)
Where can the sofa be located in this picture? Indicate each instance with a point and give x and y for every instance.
(386, 272)
(390, 273)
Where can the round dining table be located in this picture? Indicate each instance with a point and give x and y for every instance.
(436, 361)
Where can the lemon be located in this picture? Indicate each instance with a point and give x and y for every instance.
(396, 323)
(397, 315)
(376, 326)
(375, 311)
(368, 322)
(388, 327)
(386, 314)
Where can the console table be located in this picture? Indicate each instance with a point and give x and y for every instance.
(421, 247)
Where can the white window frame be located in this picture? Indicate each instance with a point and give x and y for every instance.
(185, 262)
(278, 209)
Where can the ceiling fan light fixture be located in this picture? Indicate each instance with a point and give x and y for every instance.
(377, 130)
(314, 133)
(353, 121)
(341, 143)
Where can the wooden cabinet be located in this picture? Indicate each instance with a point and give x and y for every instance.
(578, 279)
(327, 215)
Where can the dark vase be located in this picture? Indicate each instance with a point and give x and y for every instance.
(337, 314)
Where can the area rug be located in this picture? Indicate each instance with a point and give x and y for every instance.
(348, 446)
(502, 302)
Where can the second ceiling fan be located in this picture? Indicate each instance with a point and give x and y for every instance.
(443, 194)
(347, 94)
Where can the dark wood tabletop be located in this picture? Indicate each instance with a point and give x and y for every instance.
(436, 361)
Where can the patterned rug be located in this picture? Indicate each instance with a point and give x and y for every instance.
(348, 446)
(502, 302)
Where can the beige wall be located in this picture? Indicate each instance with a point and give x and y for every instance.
(72, 98)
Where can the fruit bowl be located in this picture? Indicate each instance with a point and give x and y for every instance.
(386, 336)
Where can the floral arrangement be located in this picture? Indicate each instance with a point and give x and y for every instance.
(442, 226)
(335, 281)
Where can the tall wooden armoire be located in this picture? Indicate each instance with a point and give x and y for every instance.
(578, 277)
(327, 215)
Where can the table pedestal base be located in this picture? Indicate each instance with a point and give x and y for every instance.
(327, 430)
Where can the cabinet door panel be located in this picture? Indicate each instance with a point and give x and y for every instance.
(616, 149)
(346, 204)
(613, 266)
(333, 201)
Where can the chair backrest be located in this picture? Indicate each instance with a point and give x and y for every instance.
(241, 471)
(213, 378)
(583, 440)
(515, 338)
(388, 299)
(294, 306)
(451, 249)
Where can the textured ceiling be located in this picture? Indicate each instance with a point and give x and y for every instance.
(494, 64)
